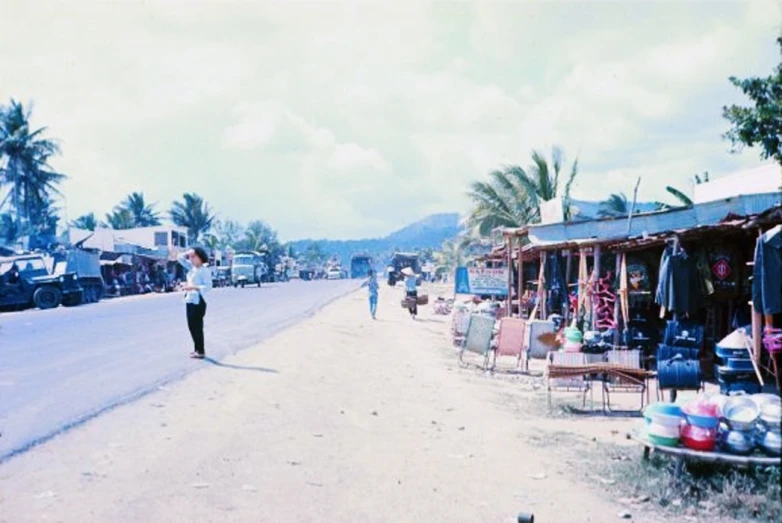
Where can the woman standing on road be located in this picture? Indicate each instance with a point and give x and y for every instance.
(199, 282)
(411, 291)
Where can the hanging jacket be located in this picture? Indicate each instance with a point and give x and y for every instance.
(767, 274)
(678, 283)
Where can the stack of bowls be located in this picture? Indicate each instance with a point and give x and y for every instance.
(663, 423)
(700, 431)
(767, 434)
(573, 339)
(737, 433)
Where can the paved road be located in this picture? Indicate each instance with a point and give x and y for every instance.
(62, 366)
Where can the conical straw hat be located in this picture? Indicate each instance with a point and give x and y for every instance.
(735, 340)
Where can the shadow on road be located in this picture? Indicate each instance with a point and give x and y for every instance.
(239, 367)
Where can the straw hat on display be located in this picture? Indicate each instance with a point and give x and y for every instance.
(735, 340)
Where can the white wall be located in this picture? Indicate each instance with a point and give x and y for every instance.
(765, 178)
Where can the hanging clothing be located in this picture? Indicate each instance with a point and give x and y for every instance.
(767, 276)
(679, 283)
(555, 283)
(704, 273)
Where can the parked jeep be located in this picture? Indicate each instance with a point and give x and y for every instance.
(26, 282)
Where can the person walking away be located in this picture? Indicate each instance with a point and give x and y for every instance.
(199, 282)
(411, 291)
(372, 285)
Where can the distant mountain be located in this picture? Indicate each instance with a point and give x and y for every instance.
(427, 233)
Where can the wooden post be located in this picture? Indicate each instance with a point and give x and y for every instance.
(521, 276)
(542, 287)
(509, 258)
(568, 272)
(618, 297)
(596, 277)
(757, 322)
(632, 206)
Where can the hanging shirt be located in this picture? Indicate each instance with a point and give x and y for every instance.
(199, 277)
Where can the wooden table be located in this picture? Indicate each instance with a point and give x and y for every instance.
(631, 375)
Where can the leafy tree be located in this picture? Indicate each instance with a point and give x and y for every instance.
(513, 195)
(228, 233)
(457, 251)
(194, 214)
(43, 225)
(211, 241)
(144, 215)
(9, 228)
(314, 253)
(760, 124)
(615, 205)
(683, 199)
(87, 222)
(24, 164)
(120, 218)
(260, 237)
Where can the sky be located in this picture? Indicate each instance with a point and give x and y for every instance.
(351, 119)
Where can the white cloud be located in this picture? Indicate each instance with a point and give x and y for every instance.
(329, 118)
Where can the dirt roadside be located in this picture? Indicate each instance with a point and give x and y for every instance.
(340, 418)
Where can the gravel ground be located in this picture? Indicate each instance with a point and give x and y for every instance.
(340, 418)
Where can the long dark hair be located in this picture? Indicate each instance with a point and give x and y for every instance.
(201, 253)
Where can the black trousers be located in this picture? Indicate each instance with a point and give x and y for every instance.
(412, 297)
(195, 322)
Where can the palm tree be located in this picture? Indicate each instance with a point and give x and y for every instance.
(259, 236)
(228, 233)
(212, 242)
(120, 218)
(144, 215)
(456, 252)
(87, 222)
(194, 214)
(513, 195)
(9, 228)
(615, 205)
(684, 200)
(43, 225)
(24, 163)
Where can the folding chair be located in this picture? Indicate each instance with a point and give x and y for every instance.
(562, 379)
(460, 324)
(478, 338)
(624, 382)
(510, 341)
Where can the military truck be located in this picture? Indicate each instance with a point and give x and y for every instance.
(399, 261)
(26, 282)
(360, 265)
(247, 268)
(86, 265)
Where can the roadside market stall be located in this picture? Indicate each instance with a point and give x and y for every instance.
(640, 284)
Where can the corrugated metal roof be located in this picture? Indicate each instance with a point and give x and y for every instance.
(598, 231)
